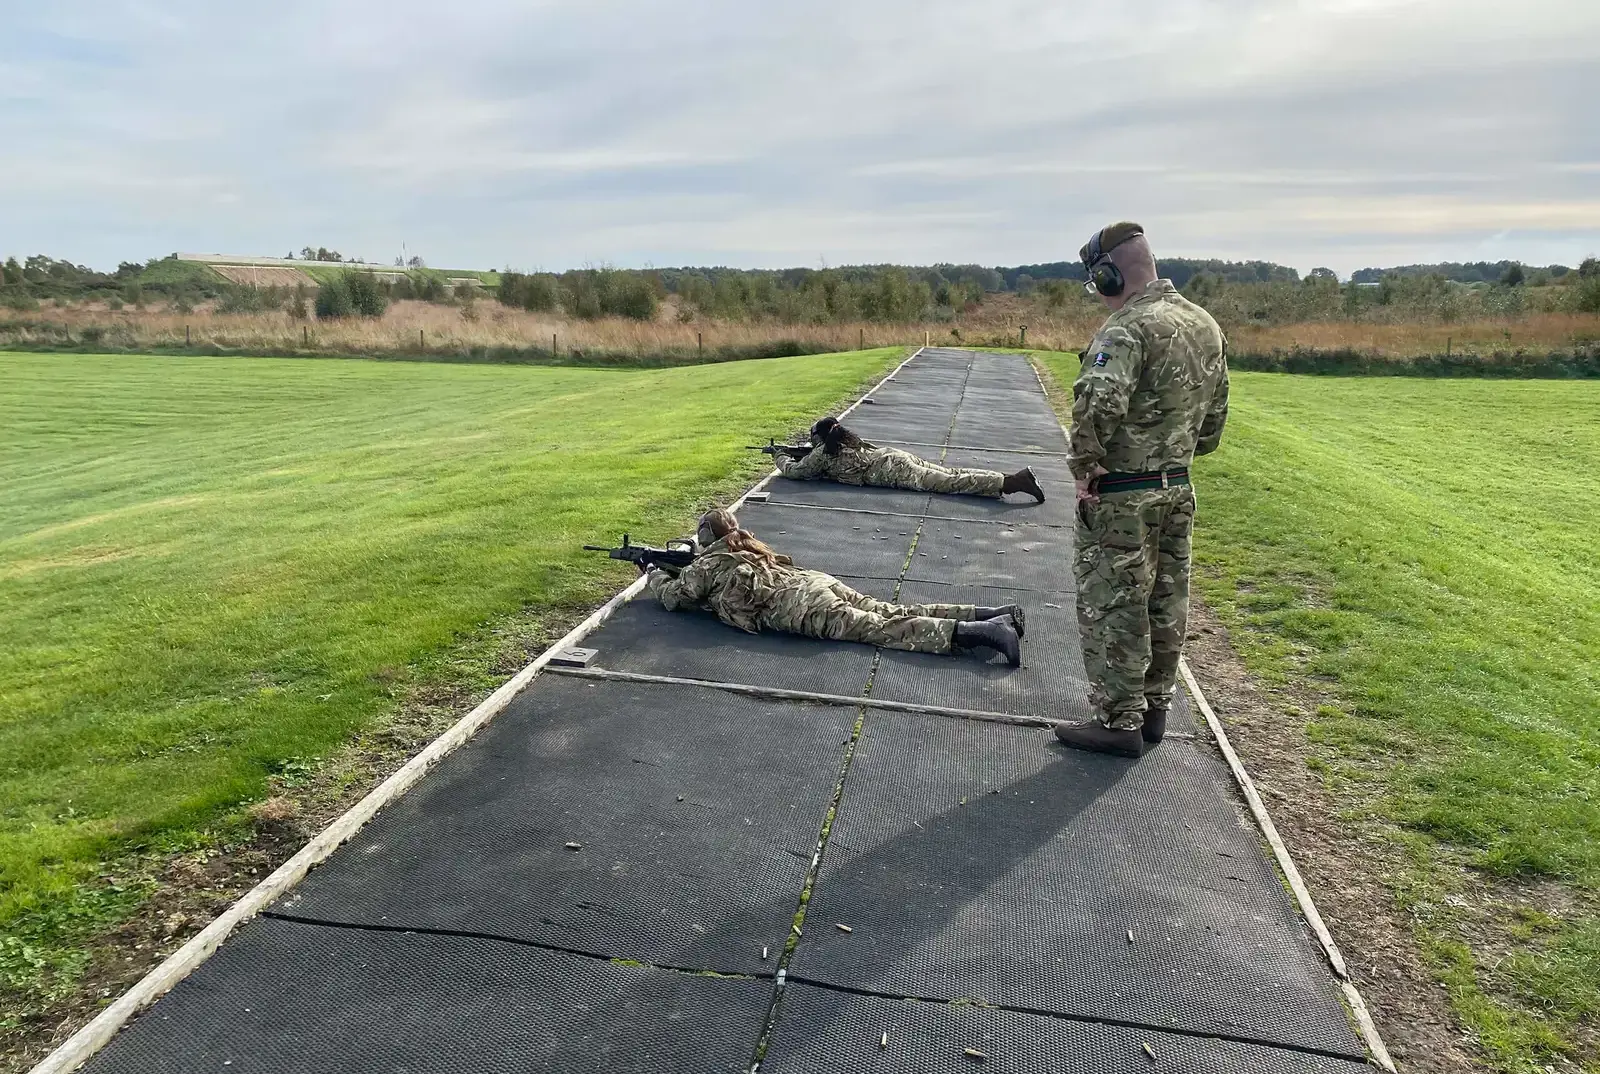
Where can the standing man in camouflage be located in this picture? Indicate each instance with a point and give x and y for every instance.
(1152, 394)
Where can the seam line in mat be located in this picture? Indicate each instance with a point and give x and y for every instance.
(775, 693)
(971, 447)
(1304, 1049)
(907, 514)
(797, 931)
(796, 934)
(494, 937)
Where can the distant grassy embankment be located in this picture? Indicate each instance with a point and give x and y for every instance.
(214, 572)
(1429, 553)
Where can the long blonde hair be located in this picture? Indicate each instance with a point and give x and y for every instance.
(724, 525)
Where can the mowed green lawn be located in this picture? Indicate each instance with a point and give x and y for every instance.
(1429, 551)
(212, 568)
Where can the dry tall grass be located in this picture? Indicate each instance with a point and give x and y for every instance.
(409, 328)
(412, 327)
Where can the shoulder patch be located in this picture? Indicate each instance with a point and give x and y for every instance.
(1102, 358)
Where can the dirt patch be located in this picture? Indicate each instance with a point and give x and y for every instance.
(1346, 867)
(259, 276)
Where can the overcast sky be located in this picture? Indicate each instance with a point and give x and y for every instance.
(526, 134)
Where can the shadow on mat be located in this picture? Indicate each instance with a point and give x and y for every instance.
(983, 839)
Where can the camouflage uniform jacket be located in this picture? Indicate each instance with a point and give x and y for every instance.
(865, 465)
(1153, 390)
(736, 586)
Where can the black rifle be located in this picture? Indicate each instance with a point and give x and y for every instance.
(772, 447)
(678, 553)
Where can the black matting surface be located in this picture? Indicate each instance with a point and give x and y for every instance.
(839, 542)
(986, 862)
(820, 1031)
(1037, 558)
(1050, 682)
(644, 637)
(696, 813)
(1001, 429)
(817, 538)
(856, 497)
(289, 998)
(1054, 477)
(906, 424)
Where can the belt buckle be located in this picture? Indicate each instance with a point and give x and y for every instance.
(1163, 479)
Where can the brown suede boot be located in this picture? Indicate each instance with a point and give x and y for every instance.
(1096, 737)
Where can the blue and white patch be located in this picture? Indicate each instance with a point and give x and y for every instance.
(1101, 359)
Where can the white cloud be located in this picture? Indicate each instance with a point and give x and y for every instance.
(486, 133)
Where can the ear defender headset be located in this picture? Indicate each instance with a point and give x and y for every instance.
(1106, 277)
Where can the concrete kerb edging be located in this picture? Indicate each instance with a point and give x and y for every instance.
(1291, 874)
(82, 1045)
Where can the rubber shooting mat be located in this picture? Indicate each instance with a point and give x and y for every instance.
(935, 393)
(844, 543)
(669, 825)
(980, 553)
(973, 860)
(820, 1031)
(998, 429)
(1026, 396)
(1054, 477)
(644, 637)
(850, 497)
(290, 998)
(907, 423)
(1050, 683)
(821, 539)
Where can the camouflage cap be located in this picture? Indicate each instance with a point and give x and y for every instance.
(1111, 237)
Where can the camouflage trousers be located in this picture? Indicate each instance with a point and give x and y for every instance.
(1132, 571)
(933, 477)
(836, 612)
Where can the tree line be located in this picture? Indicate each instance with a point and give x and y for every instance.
(1243, 290)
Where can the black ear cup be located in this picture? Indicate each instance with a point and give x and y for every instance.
(1107, 278)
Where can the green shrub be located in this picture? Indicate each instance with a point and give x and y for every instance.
(333, 300)
(1587, 299)
(366, 296)
(351, 294)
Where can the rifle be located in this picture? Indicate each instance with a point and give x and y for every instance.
(772, 447)
(678, 553)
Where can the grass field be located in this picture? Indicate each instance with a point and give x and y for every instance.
(215, 570)
(1430, 552)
